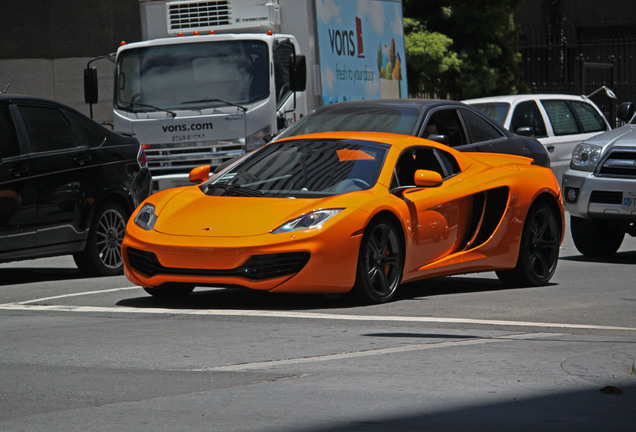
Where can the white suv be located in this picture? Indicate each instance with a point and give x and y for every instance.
(599, 189)
(558, 121)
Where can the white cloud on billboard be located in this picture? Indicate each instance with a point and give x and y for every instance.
(328, 10)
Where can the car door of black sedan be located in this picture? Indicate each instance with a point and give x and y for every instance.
(17, 190)
(63, 167)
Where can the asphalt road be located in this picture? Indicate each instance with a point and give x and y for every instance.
(450, 354)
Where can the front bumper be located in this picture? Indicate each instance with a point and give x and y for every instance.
(273, 262)
(588, 195)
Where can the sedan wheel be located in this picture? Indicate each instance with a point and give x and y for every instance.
(380, 262)
(539, 249)
(103, 248)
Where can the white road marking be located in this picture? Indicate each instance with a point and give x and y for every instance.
(25, 306)
(43, 299)
(367, 353)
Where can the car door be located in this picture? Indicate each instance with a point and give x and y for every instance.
(18, 192)
(63, 167)
(440, 215)
(571, 123)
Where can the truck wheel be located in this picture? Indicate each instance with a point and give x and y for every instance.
(380, 262)
(596, 237)
(170, 291)
(102, 255)
(539, 248)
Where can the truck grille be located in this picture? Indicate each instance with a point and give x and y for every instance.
(193, 15)
(620, 163)
(175, 159)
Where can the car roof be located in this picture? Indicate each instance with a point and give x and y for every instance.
(417, 103)
(524, 97)
(14, 97)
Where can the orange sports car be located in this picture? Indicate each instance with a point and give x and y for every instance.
(348, 211)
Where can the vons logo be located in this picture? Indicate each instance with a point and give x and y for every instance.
(343, 42)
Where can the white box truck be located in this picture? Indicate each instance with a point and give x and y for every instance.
(213, 79)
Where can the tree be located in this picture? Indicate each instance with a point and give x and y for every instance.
(480, 55)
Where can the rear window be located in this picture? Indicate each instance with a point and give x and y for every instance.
(495, 110)
(373, 119)
(561, 117)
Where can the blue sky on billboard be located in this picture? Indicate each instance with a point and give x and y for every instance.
(361, 49)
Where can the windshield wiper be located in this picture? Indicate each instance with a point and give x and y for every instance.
(215, 100)
(172, 113)
(235, 190)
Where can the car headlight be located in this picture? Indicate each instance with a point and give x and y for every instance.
(585, 157)
(146, 217)
(309, 220)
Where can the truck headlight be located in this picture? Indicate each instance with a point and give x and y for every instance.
(585, 157)
(146, 217)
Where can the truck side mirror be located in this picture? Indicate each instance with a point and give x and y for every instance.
(298, 73)
(625, 111)
(90, 85)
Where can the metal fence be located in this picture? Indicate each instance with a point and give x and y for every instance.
(582, 68)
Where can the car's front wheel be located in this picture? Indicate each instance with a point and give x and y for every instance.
(539, 248)
(380, 262)
(102, 254)
(596, 237)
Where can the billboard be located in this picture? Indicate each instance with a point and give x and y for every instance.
(361, 49)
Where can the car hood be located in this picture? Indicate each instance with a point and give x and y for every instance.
(623, 136)
(192, 213)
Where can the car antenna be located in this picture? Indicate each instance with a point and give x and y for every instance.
(6, 87)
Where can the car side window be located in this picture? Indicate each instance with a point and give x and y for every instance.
(423, 158)
(478, 128)
(48, 129)
(9, 145)
(527, 114)
(590, 119)
(90, 134)
(446, 122)
(561, 117)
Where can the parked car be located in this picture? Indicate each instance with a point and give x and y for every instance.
(558, 121)
(67, 184)
(341, 211)
(600, 188)
(449, 122)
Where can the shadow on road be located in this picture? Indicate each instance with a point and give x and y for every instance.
(235, 298)
(618, 258)
(21, 275)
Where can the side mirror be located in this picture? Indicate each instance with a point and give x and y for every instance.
(90, 85)
(200, 174)
(525, 131)
(625, 111)
(426, 178)
(298, 73)
(442, 139)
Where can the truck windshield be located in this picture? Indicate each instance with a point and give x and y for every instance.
(195, 75)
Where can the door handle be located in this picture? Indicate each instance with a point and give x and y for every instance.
(82, 159)
(19, 171)
(551, 148)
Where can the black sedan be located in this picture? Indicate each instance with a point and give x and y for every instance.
(448, 122)
(67, 184)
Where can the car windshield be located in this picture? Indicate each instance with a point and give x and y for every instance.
(495, 110)
(302, 169)
(189, 76)
(400, 120)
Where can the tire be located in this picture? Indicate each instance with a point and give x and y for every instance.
(539, 248)
(380, 262)
(171, 291)
(102, 255)
(596, 237)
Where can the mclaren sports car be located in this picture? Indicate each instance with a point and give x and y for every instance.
(342, 212)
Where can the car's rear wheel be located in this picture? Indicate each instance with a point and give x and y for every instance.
(380, 262)
(596, 237)
(170, 291)
(102, 254)
(539, 248)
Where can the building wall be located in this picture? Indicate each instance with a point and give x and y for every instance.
(46, 45)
